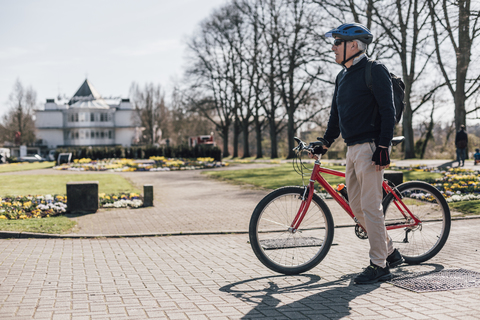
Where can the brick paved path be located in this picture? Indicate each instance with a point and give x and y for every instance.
(210, 276)
(216, 277)
(184, 202)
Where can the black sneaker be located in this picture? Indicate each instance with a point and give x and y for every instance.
(373, 274)
(395, 259)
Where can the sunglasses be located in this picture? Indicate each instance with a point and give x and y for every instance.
(338, 42)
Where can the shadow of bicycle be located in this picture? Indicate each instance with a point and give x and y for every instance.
(328, 300)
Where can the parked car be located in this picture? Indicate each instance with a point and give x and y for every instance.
(51, 155)
(31, 158)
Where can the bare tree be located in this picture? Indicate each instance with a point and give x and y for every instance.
(184, 120)
(299, 64)
(405, 22)
(448, 17)
(151, 112)
(209, 73)
(18, 124)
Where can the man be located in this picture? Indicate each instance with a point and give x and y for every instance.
(368, 134)
(461, 142)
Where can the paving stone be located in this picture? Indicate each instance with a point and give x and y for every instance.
(212, 276)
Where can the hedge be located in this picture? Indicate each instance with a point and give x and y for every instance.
(142, 152)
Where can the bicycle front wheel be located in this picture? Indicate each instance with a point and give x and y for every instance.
(284, 251)
(421, 242)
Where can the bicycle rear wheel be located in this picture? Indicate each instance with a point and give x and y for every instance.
(422, 242)
(278, 248)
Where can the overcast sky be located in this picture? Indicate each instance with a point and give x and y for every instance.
(53, 45)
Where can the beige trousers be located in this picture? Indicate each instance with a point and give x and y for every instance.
(364, 187)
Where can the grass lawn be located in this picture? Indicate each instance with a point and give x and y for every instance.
(273, 177)
(22, 166)
(284, 175)
(56, 183)
(419, 175)
(466, 207)
(56, 225)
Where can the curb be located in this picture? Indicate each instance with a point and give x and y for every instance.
(29, 235)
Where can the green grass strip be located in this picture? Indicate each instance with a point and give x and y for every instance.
(272, 177)
(53, 225)
(23, 184)
(23, 166)
(466, 207)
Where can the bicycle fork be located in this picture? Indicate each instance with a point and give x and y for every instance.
(306, 200)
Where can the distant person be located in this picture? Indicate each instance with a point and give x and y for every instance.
(476, 156)
(461, 142)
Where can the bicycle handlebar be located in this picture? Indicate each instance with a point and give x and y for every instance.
(302, 146)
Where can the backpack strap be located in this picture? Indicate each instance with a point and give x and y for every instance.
(368, 81)
(337, 80)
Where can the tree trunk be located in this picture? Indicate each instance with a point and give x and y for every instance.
(246, 145)
(463, 61)
(258, 135)
(225, 132)
(236, 134)
(409, 145)
(291, 134)
(273, 139)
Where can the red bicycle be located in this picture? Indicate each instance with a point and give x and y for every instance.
(291, 229)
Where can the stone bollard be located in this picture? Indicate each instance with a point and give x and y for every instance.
(148, 195)
(394, 176)
(82, 197)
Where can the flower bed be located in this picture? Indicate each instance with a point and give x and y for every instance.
(27, 207)
(457, 184)
(124, 200)
(152, 164)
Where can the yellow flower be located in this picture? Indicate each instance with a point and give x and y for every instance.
(3, 217)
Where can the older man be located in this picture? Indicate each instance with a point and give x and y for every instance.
(366, 118)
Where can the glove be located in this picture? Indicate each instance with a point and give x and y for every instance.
(325, 142)
(381, 157)
(319, 150)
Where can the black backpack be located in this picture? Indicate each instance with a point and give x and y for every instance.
(398, 92)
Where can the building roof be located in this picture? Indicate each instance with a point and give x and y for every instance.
(91, 104)
(86, 93)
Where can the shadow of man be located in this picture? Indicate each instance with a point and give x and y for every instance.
(329, 300)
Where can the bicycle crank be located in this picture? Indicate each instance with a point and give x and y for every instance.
(360, 232)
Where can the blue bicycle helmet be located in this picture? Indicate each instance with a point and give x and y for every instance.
(351, 31)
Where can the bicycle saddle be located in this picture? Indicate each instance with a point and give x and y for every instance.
(397, 140)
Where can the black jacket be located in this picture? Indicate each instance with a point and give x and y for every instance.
(461, 139)
(353, 106)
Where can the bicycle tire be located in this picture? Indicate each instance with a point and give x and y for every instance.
(281, 250)
(420, 243)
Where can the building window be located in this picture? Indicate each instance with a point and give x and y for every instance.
(102, 135)
(110, 134)
(92, 134)
(96, 134)
(92, 117)
(76, 135)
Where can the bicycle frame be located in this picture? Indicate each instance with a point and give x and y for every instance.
(316, 176)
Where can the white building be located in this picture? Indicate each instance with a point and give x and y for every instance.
(86, 120)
